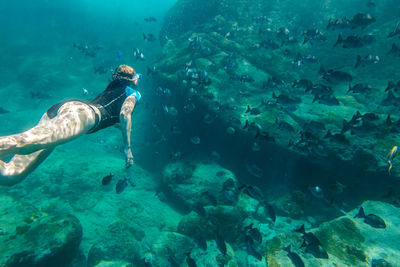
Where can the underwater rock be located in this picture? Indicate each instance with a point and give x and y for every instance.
(120, 245)
(113, 264)
(33, 238)
(348, 241)
(165, 249)
(201, 183)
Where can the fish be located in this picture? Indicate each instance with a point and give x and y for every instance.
(107, 179)
(354, 41)
(305, 60)
(393, 86)
(285, 99)
(3, 111)
(252, 251)
(271, 211)
(40, 95)
(199, 209)
(367, 60)
(312, 244)
(338, 24)
(254, 170)
(307, 85)
(220, 243)
(314, 36)
(335, 76)
(328, 100)
(390, 100)
(317, 192)
(359, 88)
(100, 70)
(371, 219)
(254, 233)
(337, 137)
(252, 191)
(396, 31)
(121, 185)
(294, 257)
(395, 50)
(201, 242)
(190, 261)
(195, 140)
(149, 37)
(361, 20)
(252, 111)
(150, 19)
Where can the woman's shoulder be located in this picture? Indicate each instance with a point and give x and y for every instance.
(118, 84)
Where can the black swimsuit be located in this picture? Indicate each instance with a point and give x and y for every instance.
(109, 102)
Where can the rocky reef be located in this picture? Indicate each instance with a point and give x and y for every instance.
(33, 238)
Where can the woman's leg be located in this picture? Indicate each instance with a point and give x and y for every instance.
(73, 119)
(21, 166)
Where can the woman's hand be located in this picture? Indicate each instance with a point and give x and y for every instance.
(128, 157)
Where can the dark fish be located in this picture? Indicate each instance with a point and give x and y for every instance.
(246, 124)
(40, 95)
(253, 111)
(314, 36)
(149, 37)
(100, 70)
(107, 179)
(271, 211)
(312, 244)
(395, 50)
(199, 209)
(201, 242)
(190, 261)
(304, 60)
(396, 31)
(263, 135)
(338, 24)
(150, 70)
(367, 60)
(391, 100)
(294, 257)
(354, 41)
(3, 111)
(371, 219)
(362, 20)
(254, 233)
(328, 100)
(150, 19)
(121, 185)
(359, 88)
(252, 191)
(220, 243)
(286, 99)
(393, 86)
(252, 251)
(303, 83)
(335, 76)
(337, 137)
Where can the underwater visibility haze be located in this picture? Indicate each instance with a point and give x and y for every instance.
(199, 133)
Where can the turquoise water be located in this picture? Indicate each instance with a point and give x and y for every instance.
(231, 157)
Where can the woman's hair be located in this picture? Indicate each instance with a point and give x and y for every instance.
(124, 72)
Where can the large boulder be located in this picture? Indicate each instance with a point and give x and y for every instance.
(188, 182)
(121, 245)
(29, 237)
